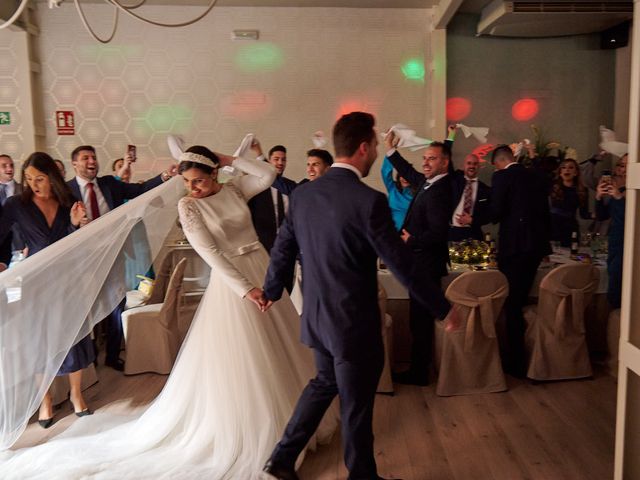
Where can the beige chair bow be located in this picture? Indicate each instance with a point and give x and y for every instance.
(555, 335)
(467, 354)
(151, 333)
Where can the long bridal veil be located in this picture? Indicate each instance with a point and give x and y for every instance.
(54, 298)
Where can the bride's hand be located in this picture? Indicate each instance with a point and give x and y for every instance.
(256, 295)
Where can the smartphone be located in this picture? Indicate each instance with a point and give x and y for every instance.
(131, 150)
(606, 176)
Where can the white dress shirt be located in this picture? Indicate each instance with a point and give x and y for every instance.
(348, 167)
(285, 201)
(103, 206)
(460, 207)
(10, 188)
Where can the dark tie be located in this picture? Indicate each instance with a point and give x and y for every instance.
(467, 204)
(280, 207)
(3, 193)
(93, 202)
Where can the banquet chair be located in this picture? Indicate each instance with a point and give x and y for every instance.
(613, 341)
(135, 298)
(151, 331)
(385, 384)
(467, 354)
(555, 335)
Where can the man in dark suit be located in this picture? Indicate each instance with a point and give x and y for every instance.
(519, 203)
(426, 232)
(101, 195)
(268, 209)
(471, 201)
(8, 188)
(340, 226)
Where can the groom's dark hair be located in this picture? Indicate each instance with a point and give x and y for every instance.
(350, 131)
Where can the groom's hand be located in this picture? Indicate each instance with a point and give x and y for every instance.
(267, 305)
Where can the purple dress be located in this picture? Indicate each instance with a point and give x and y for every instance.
(38, 235)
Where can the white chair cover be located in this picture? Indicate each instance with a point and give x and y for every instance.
(555, 334)
(467, 354)
(613, 342)
(385, 385)
(151, 332)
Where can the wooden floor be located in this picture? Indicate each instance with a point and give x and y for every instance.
(551, 431)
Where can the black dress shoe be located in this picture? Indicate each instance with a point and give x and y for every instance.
(117, 365)
(280, 472)
(46, 422)
(410, 378)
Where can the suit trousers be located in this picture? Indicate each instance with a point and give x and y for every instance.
(520, 271)
(114, 333)
(421, 322)
(355, 382)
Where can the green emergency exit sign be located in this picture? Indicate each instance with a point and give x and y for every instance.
(5, 118)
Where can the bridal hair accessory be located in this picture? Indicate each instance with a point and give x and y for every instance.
(195, 158)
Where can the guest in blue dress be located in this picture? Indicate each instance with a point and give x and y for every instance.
(568, 196)
(400, 193)
(45, 212)
(610, 204)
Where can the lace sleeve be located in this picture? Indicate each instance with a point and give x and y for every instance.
(204, 244)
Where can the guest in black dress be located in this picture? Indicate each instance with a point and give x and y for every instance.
(45, 212)
(568, 196)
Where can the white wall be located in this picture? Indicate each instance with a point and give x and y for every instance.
(192, 81)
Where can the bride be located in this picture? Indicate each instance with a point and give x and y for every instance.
(239, 372)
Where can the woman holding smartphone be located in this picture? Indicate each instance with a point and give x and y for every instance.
(610, 204)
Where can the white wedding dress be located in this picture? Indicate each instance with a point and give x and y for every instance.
(235, 382)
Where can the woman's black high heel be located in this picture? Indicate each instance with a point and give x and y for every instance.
(46, 423)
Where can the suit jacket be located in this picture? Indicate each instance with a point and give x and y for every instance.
(116, 192)
(481, 207)
(340, 226)
(519, 203)
(14, 240)
(263, 211)
(428, 218)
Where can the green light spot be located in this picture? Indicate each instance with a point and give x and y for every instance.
(413, 69)
(174, 118)
(259, 57)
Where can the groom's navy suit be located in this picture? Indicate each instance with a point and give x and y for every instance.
(340, 226)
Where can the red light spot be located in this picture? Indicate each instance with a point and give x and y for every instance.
(246, 104)
(525, 109)
(355, 105)
(458, 108)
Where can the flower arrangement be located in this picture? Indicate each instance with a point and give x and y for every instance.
(470, 252)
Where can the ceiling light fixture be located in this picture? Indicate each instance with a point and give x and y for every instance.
(118, 7)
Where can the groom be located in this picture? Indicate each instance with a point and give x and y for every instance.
(339, 226)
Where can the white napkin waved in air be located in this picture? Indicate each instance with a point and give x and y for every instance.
(407, 137)
(245, 145)
(479, 133)
(319, 139)
(609, 143)
(176, 146)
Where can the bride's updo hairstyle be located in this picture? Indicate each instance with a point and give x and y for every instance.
(205, 167)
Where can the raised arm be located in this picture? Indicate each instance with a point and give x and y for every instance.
(203, 243)
(259, 176)
(406, 170)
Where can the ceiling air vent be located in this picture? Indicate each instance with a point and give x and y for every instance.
(551, 19)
